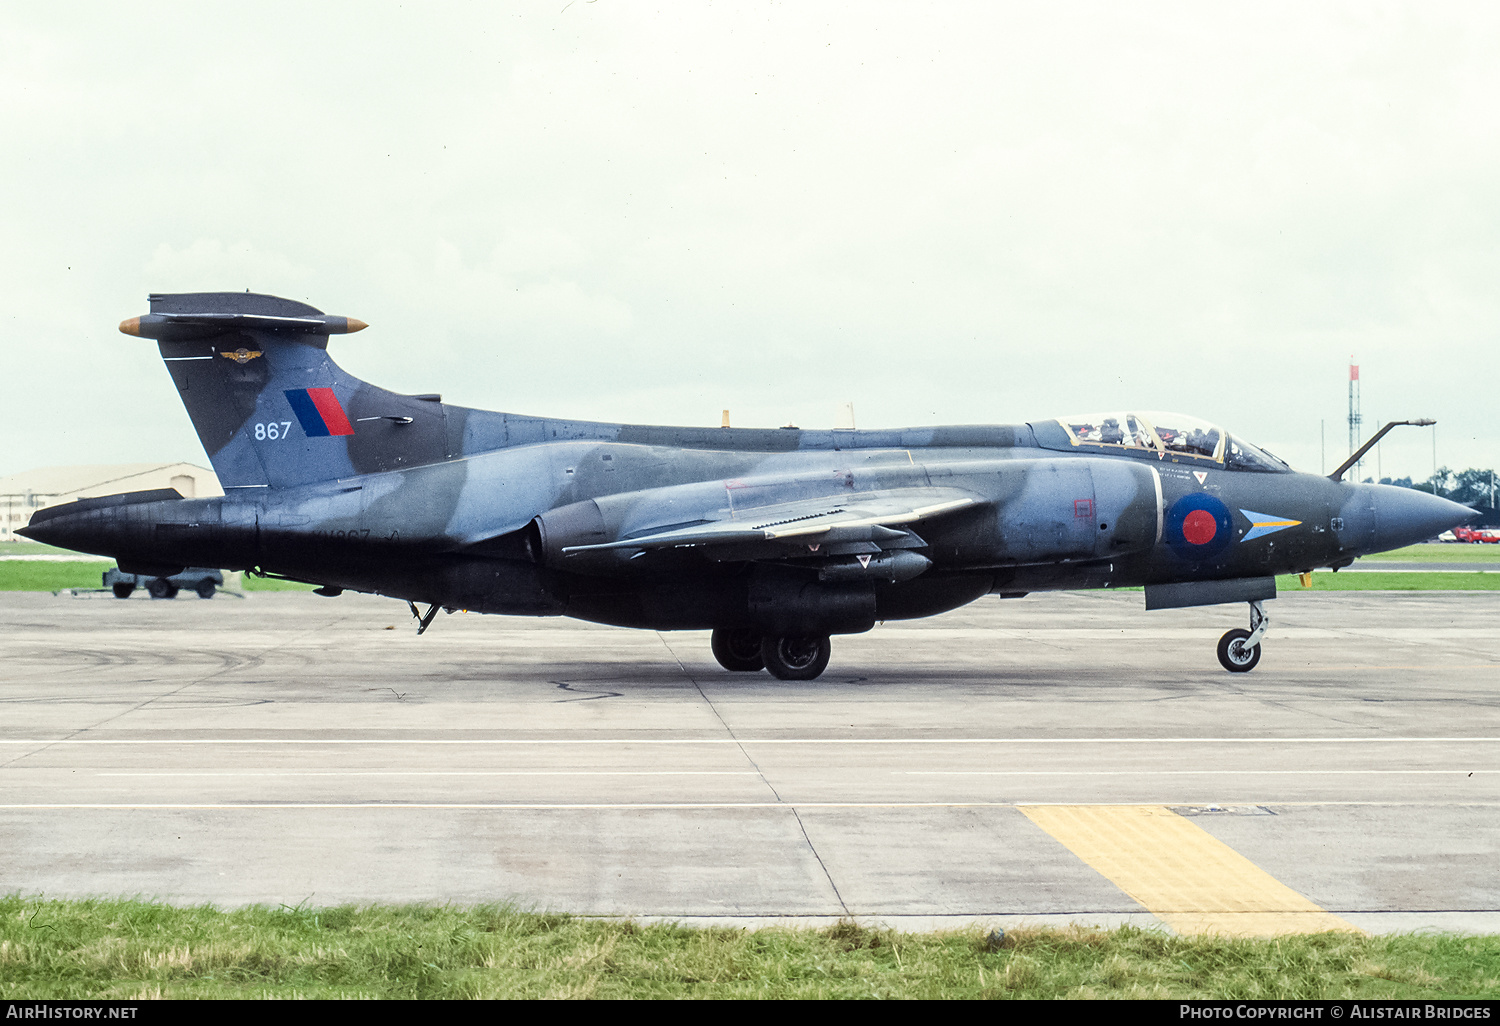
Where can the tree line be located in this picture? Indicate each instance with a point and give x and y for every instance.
(1472, 487)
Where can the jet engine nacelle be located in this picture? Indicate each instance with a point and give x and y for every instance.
(580, 523)
(609, 517)
(1059, 510)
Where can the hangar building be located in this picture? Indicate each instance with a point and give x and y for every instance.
(23, 494)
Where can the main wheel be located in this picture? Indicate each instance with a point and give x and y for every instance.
(795, 658)
(738, 650)
(161, 588)
(205, 589)
(1233, 654)
(122, 590)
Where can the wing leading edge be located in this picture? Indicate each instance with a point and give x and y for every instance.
(872, 516)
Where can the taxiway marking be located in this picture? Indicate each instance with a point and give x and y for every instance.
(1181, 873)
(762, 741)
(1464, 772)
(447, 773)
(250, 806)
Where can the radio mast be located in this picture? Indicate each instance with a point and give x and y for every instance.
(1354, 416)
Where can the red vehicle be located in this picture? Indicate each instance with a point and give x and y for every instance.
(1477, 534)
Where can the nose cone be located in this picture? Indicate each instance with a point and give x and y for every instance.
(65, 530)
(1405, 516)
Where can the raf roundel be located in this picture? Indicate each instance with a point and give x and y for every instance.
(1198, 527)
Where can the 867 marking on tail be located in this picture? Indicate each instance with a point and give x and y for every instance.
(272, 431)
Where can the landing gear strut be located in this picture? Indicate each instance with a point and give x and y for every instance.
(424, 620)
(1239, 650)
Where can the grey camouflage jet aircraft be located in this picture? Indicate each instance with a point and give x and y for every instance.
(774, 539)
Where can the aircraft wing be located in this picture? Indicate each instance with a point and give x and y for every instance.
(870, 516)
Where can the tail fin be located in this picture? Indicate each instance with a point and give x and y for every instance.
(269, 405)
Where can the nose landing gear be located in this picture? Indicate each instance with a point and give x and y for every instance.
(1239, 650)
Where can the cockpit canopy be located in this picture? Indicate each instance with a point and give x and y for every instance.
(1165, 436)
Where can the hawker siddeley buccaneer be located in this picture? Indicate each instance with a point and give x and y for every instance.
(773, 539)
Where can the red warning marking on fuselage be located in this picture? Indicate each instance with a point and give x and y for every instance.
(1199, 527)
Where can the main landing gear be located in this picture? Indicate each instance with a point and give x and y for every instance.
(738, 650)
(1239, 650)
(787, 657)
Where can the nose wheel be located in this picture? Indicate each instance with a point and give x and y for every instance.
(1239, 650)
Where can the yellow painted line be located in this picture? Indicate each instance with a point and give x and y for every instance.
(1182, 874)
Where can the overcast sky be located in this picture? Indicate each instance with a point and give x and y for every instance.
(951, 213)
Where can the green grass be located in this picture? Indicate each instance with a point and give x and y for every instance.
(28, 576)
(134, 949)
(1437, 552)
(19, 575)
(31, 548)
(1376, 581)
(272, 584)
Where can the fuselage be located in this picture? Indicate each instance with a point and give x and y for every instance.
(773, 539)
(486, 531)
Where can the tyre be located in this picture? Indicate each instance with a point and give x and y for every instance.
(205, 589)
(795, 658)
(1233, 654)
(161, 588)
(122, 590)
(738, 650)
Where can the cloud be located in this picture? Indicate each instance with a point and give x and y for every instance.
(208, 265)
(975, 212)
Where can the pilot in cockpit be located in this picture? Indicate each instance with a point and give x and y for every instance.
(1111, 433)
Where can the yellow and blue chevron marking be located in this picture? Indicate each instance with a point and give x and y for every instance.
(1262, 524)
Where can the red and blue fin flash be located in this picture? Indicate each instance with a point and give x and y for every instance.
(319, 412)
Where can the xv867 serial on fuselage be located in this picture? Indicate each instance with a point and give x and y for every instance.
(772, 539)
